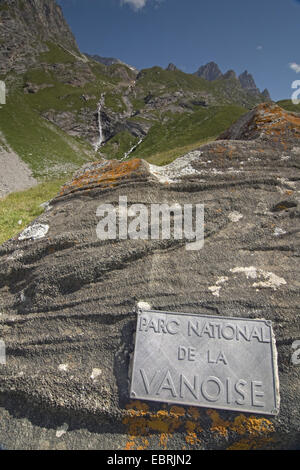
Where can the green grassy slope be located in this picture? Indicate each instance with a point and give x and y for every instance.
(167, 140)
(17, 210)
(64, 83)
(44, 147)
(185, 129)
(289, 106)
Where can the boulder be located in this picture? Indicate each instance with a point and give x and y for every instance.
(68, 299)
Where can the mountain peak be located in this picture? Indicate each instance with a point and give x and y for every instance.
(171, 68)
(26, 30)
(230, 75)
(209, 72)
(247, 81)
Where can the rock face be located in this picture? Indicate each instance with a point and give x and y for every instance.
(245, 81)
(26, 26)
(172, 68)
(266, 122)
(230, 75)
(108, 61)
(67, 298)
(248, 83)
(209, 72)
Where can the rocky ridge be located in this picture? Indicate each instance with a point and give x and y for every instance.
(211, 72)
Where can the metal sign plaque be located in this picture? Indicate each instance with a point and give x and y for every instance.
(202, 360)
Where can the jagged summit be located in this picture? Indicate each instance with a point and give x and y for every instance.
(247, 81)
(172, 68)
(209, 72)
(230, 75)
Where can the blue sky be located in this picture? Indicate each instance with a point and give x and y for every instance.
(261, 36)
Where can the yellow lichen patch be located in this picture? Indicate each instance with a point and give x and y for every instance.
(137, 406)
(247, 432)
(163, 423)
(163, 440)
(194, 413)
(177, 411)
(218, 424)
(104, 176)
(251, 444)
(257, 431)
(191, 429)
(252, 425)
(276, 123)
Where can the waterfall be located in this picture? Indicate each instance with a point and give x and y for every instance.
(131, 150)
(100, 140)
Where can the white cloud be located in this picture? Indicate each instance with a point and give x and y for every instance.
(136, 4)
(295, 67)
(259, 48)
(139, 4)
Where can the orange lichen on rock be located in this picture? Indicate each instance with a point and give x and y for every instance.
(163, 423)
(257, 432)
(103, 175)
(246, 432)
(218, 424)
(276, 123)
(268, 121)
(251, 444)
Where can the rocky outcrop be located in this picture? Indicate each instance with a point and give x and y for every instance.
(68, 298)
(26, 26)
(267, 122)
(266, 94)
(172, 68)
(230, 75)
(209, 72)
(247, 82)
(108, 61)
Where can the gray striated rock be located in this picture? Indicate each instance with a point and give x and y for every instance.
(67, 300)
